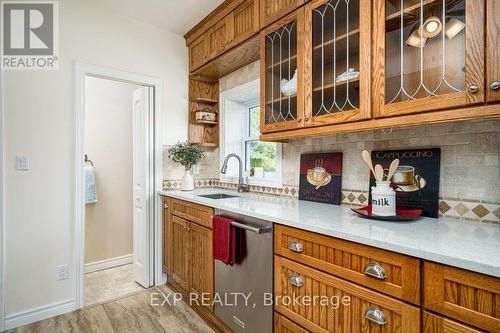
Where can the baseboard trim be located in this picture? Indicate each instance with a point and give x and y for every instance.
(108, 263)
(40, 313)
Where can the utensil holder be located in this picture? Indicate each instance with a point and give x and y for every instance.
(383, 199)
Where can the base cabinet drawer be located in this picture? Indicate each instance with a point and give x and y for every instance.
(196, 213)
(390, 273)
(466, 296)
(284, 325)
(437, 324)
(320, 302)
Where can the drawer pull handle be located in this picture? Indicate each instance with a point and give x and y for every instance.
(495, 85)
(295, 246)
(296, 280)
(375, 316)
(376, 271)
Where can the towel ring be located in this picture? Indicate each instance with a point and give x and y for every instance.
(88, 161)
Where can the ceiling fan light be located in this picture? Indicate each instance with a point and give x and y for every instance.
(453, 28)
(431, 27)
(415, 40)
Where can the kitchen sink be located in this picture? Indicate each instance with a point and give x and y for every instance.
(218, 196)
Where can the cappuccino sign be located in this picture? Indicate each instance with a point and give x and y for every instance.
(321, 177)
(416, 180)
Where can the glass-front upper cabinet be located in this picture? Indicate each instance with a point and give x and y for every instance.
(281, 65)
(428, 55)
(337, 65)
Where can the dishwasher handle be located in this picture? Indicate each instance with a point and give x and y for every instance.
(255, 229)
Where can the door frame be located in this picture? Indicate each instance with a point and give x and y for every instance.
(2, 206)
(155, 233)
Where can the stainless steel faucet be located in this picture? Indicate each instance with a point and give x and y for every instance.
(242, 187)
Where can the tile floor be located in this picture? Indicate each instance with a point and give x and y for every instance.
(109, 284)
(132, 313)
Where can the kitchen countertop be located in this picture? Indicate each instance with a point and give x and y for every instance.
(468, 245)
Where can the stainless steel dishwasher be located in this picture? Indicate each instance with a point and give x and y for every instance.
(252, 278)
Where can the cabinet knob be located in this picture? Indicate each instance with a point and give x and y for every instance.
(165, 206)
(376, 271)
(299, 119)
(296, 280)
(495, 85)
(375, 316)
(306, 118)
(473, 88)
(296, 246)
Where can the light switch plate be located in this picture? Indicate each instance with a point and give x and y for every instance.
(22, 162)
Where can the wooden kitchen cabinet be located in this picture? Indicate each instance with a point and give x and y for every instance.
(271, 10)
(198, 53)
(469, 297)
(436, 324)
(337, 63)
(218, 38)
(492, 51)
(427, 57)
(243, 22)
(397, 275)
(179, 251)
(359, 309)
(201, 263)
(282, 57)
(192, 263)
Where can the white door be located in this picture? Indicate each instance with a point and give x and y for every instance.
(142, 183)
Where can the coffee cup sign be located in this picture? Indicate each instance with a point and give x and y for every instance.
(404, 175)
(318, 174)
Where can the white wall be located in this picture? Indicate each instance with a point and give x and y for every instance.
(108, 144)
(39, 122)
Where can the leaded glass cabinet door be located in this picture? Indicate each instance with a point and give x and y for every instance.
(429, 55)
(281, 66)
(337, 63)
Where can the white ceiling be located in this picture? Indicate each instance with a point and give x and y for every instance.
(177, 16)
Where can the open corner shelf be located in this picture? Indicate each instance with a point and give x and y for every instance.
(206, 122)
(204, 100)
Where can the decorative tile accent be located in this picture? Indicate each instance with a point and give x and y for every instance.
(444, 207)
(480, 211)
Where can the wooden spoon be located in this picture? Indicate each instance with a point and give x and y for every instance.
(379, 173)
(368, 160)
(392, 169)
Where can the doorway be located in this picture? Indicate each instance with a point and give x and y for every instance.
(117, 178)
(115, 142)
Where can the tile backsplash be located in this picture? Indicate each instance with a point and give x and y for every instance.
(470, 173)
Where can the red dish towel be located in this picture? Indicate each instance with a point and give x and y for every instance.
(229, 243)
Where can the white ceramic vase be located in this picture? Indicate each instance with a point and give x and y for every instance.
(187, 181)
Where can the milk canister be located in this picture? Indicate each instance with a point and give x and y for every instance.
(383, 199)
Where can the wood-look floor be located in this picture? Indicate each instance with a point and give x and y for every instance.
(129, 314)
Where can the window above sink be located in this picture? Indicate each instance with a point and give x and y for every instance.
(240, 131)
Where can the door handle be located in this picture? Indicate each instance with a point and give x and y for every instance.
(495, 85)
(296, 280)
(375, 316)
(473, 88)
(251, 228)
(375, 270)
(296, 247)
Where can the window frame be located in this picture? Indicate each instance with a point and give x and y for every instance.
(234, 95)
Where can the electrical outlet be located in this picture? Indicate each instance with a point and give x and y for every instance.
(62, 272)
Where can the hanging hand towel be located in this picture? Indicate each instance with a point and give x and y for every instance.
(90, 188)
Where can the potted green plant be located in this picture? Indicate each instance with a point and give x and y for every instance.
(187, 154)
